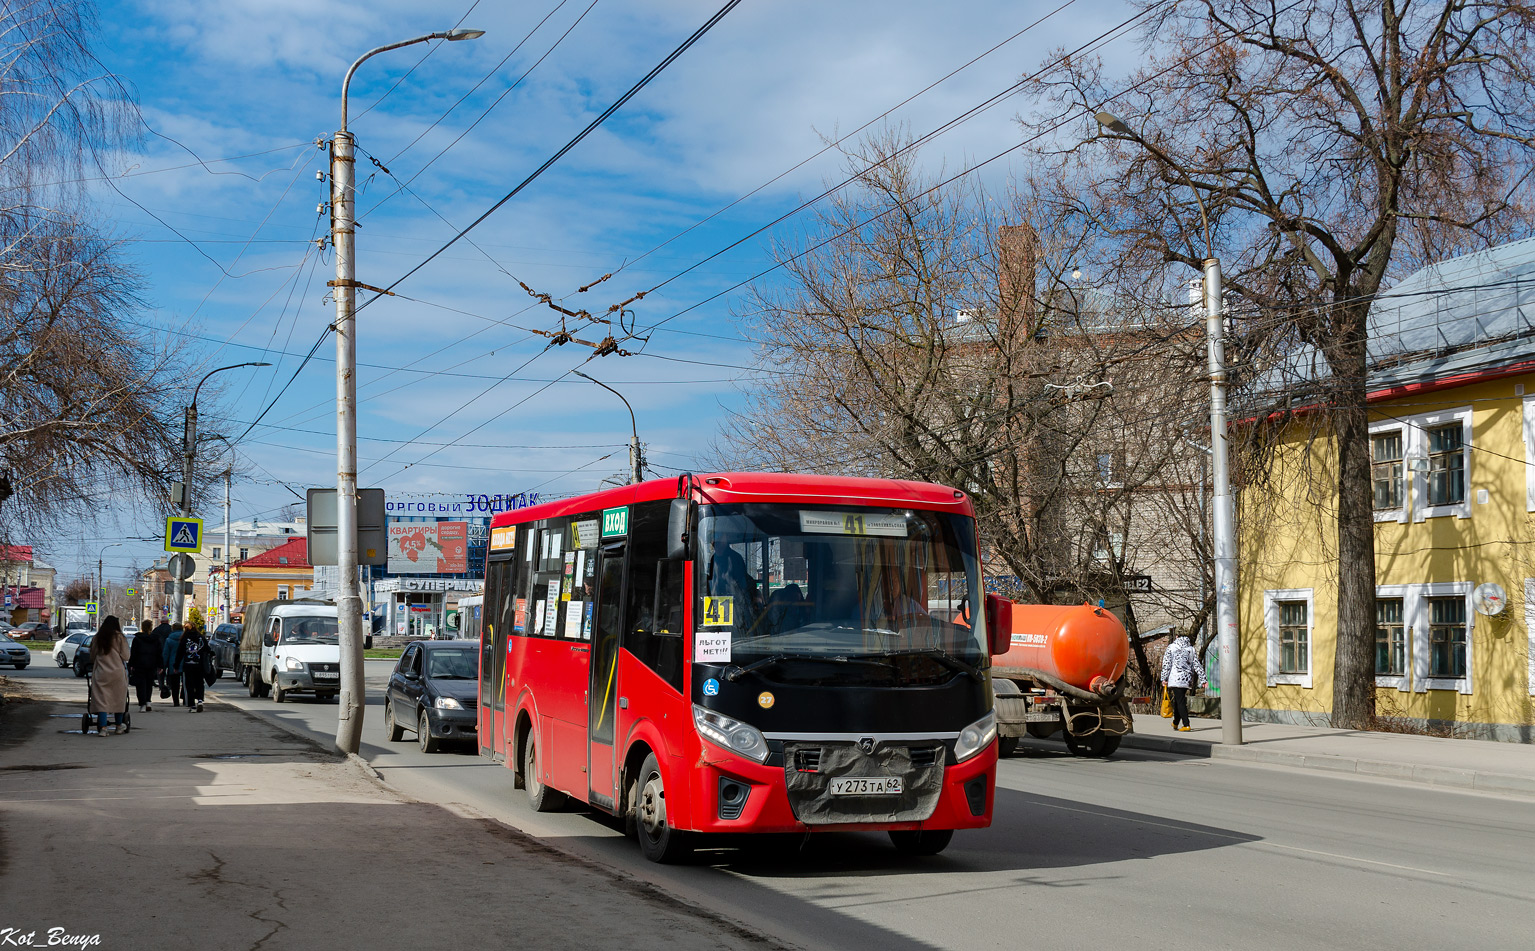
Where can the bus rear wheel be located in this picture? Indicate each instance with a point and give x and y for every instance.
(658, 840)
(921, 841)
(541, 797)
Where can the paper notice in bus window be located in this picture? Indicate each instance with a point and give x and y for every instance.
(853, 523)
(552, 609)
(574, 612)
(520, 618)
(586, 622)
(711, 647)
(585, 534)
(538, 617)
(567, 582)
(719, 612)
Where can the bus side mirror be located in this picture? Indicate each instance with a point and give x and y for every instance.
(999, 623)
(677, 530)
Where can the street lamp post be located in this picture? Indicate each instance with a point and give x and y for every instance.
(344, 287)
(188, 458)
(100, 585)
(636, 460)
(1223, 525)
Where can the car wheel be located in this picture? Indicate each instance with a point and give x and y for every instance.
(424, 736)
(395, 731)
(542, 798)
(921, 841)
(59, 659)
(278, 694)
(252, 683)
(79, 667)
(1099, 744)
(659, 842)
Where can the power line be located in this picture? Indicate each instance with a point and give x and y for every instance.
(592, 126)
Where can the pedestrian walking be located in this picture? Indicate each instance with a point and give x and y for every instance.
(144, 664)
(190, 654)
(1181, 670)
(168, 660)
(109, 675)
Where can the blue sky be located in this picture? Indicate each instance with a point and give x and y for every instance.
(232, 272)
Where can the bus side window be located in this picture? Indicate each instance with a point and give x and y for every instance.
(653, 614)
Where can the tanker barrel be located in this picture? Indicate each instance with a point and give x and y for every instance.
(1080, 644)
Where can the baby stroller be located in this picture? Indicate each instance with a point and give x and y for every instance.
(88, 717)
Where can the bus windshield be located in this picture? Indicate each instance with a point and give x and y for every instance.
(804, 583)
(310, 630)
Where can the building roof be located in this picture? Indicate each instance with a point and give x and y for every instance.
(16, 553)
(290, 554)
(258, 528)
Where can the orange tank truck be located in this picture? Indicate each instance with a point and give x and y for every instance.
(1064, 671)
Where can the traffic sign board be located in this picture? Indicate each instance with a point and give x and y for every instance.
(90, 607)
(181, 566)
(183, 533)
(131, 591)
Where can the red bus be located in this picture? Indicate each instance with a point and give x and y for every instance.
(741, 652)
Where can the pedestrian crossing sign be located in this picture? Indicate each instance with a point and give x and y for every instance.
(183, 533)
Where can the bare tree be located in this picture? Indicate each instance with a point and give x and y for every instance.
(1334, 144)
(86, 414)
(921, 336)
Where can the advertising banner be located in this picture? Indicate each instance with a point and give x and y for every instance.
(428, 547)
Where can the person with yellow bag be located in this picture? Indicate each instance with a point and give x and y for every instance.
(1181, 671)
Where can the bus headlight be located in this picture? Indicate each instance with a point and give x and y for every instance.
(975, 737)
(733, 735)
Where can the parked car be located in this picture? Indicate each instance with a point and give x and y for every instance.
(226, 645)
(64, 648)
(82, 662)
(15, 654)
(433, 690)
(31, 630)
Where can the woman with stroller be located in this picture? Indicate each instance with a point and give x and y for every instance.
(189, 665)
(109, 675)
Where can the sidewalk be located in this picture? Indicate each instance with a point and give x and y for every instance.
(216, 824)
(1466, 764)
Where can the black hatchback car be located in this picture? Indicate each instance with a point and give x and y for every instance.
(433, 691)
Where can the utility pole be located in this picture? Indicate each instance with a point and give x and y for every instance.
(1223, 524)
(188, 455)
(228, 591)
(344, 288)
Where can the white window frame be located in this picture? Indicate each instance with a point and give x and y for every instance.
(1420, 636)
(282, 592)
(1398, 514)
(1410, 603)
(1529, 463)
(1271, 599)
(1529, 629)
(1416, 451)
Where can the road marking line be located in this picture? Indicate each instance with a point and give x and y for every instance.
(1352, 858)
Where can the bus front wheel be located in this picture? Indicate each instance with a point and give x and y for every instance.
(921, 841)
(658, 840)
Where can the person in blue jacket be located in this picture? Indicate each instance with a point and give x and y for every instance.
(168, 658)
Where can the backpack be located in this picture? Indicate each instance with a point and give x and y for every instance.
(210, 667)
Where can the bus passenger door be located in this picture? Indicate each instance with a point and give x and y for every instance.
(607, 630)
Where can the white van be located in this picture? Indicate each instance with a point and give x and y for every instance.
(300, 651)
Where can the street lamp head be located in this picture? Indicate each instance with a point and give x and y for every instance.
(260, 364)
(453, 36)
(1112, 122)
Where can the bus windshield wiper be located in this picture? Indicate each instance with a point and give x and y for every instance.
(734, 672)
(942, 656)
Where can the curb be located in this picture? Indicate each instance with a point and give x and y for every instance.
(1448, 776)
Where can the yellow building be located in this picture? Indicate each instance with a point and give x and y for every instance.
(1453, 445)
(281, 574)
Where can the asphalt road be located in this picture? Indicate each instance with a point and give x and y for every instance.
(1159, 851)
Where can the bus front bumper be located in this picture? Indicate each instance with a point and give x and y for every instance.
(731, 794)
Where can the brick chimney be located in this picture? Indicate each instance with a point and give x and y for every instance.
(1016, 255)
